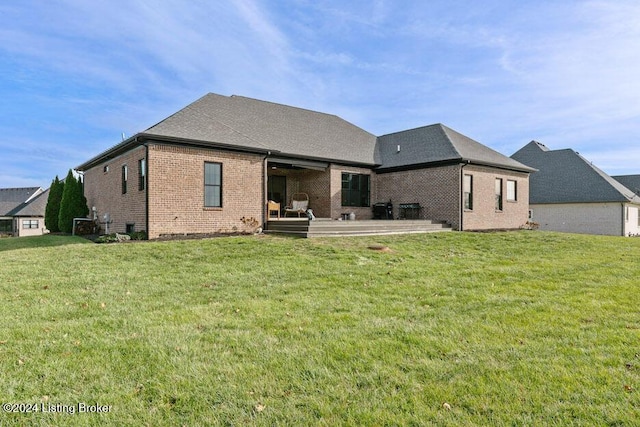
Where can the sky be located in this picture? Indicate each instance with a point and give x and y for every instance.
(77, 75)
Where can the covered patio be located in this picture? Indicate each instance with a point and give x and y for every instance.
(325, 184)
(340, 198)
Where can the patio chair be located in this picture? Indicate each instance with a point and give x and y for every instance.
(299, 204)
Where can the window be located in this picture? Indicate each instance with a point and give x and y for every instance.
(6, 225)
(125, 177)
(512, 191)
(142, 173)
(355, 189)
(467, 190)
(130, 228)
(626, 215)
(498, 194)
(105, 169)
(30, 223)
(213, 185)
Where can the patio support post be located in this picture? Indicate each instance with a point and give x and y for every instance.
(265, 190)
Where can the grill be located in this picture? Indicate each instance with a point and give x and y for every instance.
(382, 210)
(410, 210)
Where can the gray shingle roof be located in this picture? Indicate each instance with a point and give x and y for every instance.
(34, 207)
(564, 176)
(246, 124)
(13, 200)
(437, 144)
(251, 123)
(632, 182)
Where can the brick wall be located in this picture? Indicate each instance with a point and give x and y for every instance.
(314, 183)
(484, 215)
(175, 185)
(176, 191)
(103, 190)
(436, 189)
(336, 192)
(439, 192)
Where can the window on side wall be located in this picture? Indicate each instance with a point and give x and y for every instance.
(125, 177)
(467, 191)
(355, 190)
(212, 185)
(142, 174)
(498, 194)
(512, 191)
(30, 223)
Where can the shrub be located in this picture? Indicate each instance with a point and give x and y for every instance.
(52, 210)
(73, 203)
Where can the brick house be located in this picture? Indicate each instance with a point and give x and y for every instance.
(568, 193)
(212, 166)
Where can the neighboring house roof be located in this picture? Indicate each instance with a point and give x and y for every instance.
(438, 144)
(632, 182)
(564, 176)
(35, 206)
(12, 199)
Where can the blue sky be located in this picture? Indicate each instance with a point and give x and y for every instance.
(77, 74)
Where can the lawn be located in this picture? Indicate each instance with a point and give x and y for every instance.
(521, 328)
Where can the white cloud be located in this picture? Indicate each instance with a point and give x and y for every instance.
(502, 72)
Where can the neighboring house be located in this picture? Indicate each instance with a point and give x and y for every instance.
(212, 166)
(568, 193)
(22, 211)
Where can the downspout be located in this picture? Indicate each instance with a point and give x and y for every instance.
(265, 190)
(461, 193)
(146, 187)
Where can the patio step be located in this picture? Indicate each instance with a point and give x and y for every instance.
(329, 228)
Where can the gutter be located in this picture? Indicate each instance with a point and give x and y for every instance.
(448, 162)
(109, 154)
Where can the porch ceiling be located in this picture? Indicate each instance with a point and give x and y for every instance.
(305, 164)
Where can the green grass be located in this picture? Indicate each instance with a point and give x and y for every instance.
(47, 240)
(521, 328)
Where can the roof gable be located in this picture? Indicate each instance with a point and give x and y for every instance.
(437, 144)
(35, 206)
(16, 198)
(564, 176)
(261, 125)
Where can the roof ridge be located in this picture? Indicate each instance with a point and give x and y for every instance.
(282, 105)
(215, 119)
(19, 188)
(616, 185)
(412, 129)
(445, 130)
